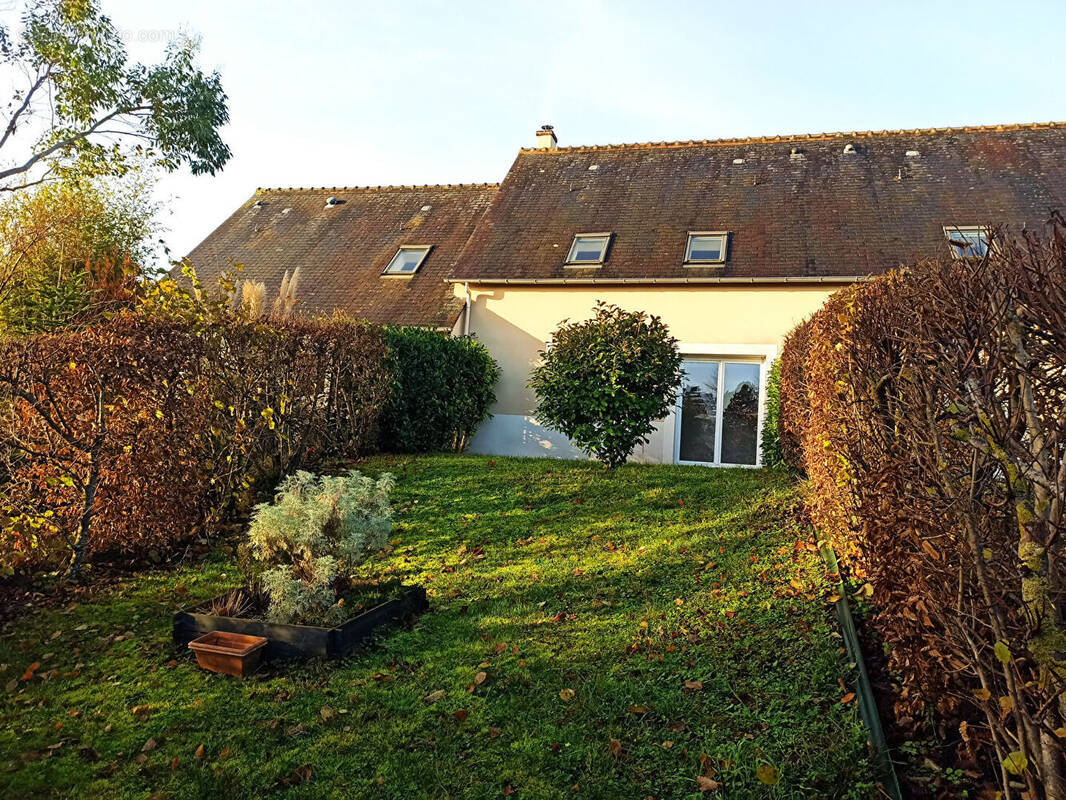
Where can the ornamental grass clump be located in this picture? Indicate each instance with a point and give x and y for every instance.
(311, 538)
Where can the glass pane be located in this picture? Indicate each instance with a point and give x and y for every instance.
(588, 249)
(406, 261)
(740, 415)
(970, 242)
(705, 248)
(699, 410)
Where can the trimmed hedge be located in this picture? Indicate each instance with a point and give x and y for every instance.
(928, 405)
(132, 434)
(441, 389)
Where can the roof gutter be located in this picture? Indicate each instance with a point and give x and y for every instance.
(821, 279)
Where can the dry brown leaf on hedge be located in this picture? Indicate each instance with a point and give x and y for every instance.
(982, 694)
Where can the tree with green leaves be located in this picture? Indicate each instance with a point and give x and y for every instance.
(84, 110)
(67, 250)
(604, 381)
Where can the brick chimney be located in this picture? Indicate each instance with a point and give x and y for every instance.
(546, 138)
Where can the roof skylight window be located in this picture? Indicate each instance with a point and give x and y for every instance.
(588, 249)
(408, 259)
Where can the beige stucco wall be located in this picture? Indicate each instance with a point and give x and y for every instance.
(514, 323)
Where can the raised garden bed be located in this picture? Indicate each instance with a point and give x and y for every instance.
(302, 641)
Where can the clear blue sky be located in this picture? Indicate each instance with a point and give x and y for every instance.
(346, 92)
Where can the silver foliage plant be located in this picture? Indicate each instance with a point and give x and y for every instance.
(317, 530)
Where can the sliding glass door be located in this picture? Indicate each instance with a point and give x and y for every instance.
(718, 413)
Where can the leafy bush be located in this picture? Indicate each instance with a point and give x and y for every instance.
(313, 534)
(71, 250)
(442, 388)
(936, 448)
(135, 433)
(605, 381)
(771, 433)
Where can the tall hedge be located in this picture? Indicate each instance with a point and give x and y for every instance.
(441, 389)
(933, 432)
(131, 434)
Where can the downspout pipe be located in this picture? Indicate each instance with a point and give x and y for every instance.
(466, 314)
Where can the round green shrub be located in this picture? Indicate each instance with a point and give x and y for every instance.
(604, 381)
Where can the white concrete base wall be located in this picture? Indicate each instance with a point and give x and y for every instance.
(519, 435)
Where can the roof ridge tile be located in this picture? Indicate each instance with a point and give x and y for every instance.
(777, 138)
(394, 187)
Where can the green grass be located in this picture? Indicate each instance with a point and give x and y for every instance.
(546, 576)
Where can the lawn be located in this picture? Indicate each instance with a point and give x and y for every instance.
(591, 635)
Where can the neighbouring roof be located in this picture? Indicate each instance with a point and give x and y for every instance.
(797, 207)
(342, 250)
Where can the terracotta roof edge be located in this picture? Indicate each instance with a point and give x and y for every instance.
(799, 137)
(812, 279)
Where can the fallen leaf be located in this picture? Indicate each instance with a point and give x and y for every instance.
(638, 710)
(433, 697)
(32, 668)
(148, 746)
(480, 678)
(768, 774)
(174, 764)
(199, 752)
(566, 694)
(223, 753)
(707, 784)
(694, 686)
(326, 713)
(848, 697)
(616, 748)
(494, 733)
(461, 715)
(1015, 763)
(500, 647)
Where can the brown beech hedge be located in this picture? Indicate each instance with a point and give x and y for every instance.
(131, 434)
(929, 406)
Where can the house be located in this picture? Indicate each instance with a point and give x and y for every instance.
(732, 242)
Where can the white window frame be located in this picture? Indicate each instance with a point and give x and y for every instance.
(389, 272)
(764, 356)
(606, 236)
(695, 262)
(956, 251)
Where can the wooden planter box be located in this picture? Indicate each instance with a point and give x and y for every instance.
(301, 641)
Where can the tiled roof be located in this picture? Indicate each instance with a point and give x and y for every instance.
(341, 250)
(808, 206)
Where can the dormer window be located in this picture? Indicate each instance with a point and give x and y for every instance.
(588, 249)
(408, 259)
(967, 241)
(706, 248)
